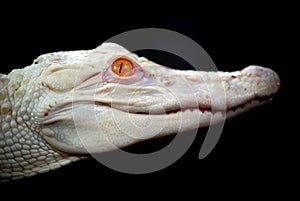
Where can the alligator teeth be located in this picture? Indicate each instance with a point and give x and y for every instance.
(246, 107)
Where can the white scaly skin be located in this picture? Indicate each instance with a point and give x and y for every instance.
(67, 104)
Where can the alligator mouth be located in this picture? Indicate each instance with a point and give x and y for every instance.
(208, 110)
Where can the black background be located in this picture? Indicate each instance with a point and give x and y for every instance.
(254, 154)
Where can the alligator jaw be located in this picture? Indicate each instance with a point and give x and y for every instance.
(193, 100)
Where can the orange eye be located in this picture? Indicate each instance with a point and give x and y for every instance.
(122, 67)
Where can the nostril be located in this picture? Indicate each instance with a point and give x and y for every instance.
(254, 71)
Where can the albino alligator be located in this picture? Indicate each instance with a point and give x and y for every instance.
(38, 103)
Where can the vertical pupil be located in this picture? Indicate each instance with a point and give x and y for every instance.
(120, 70)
